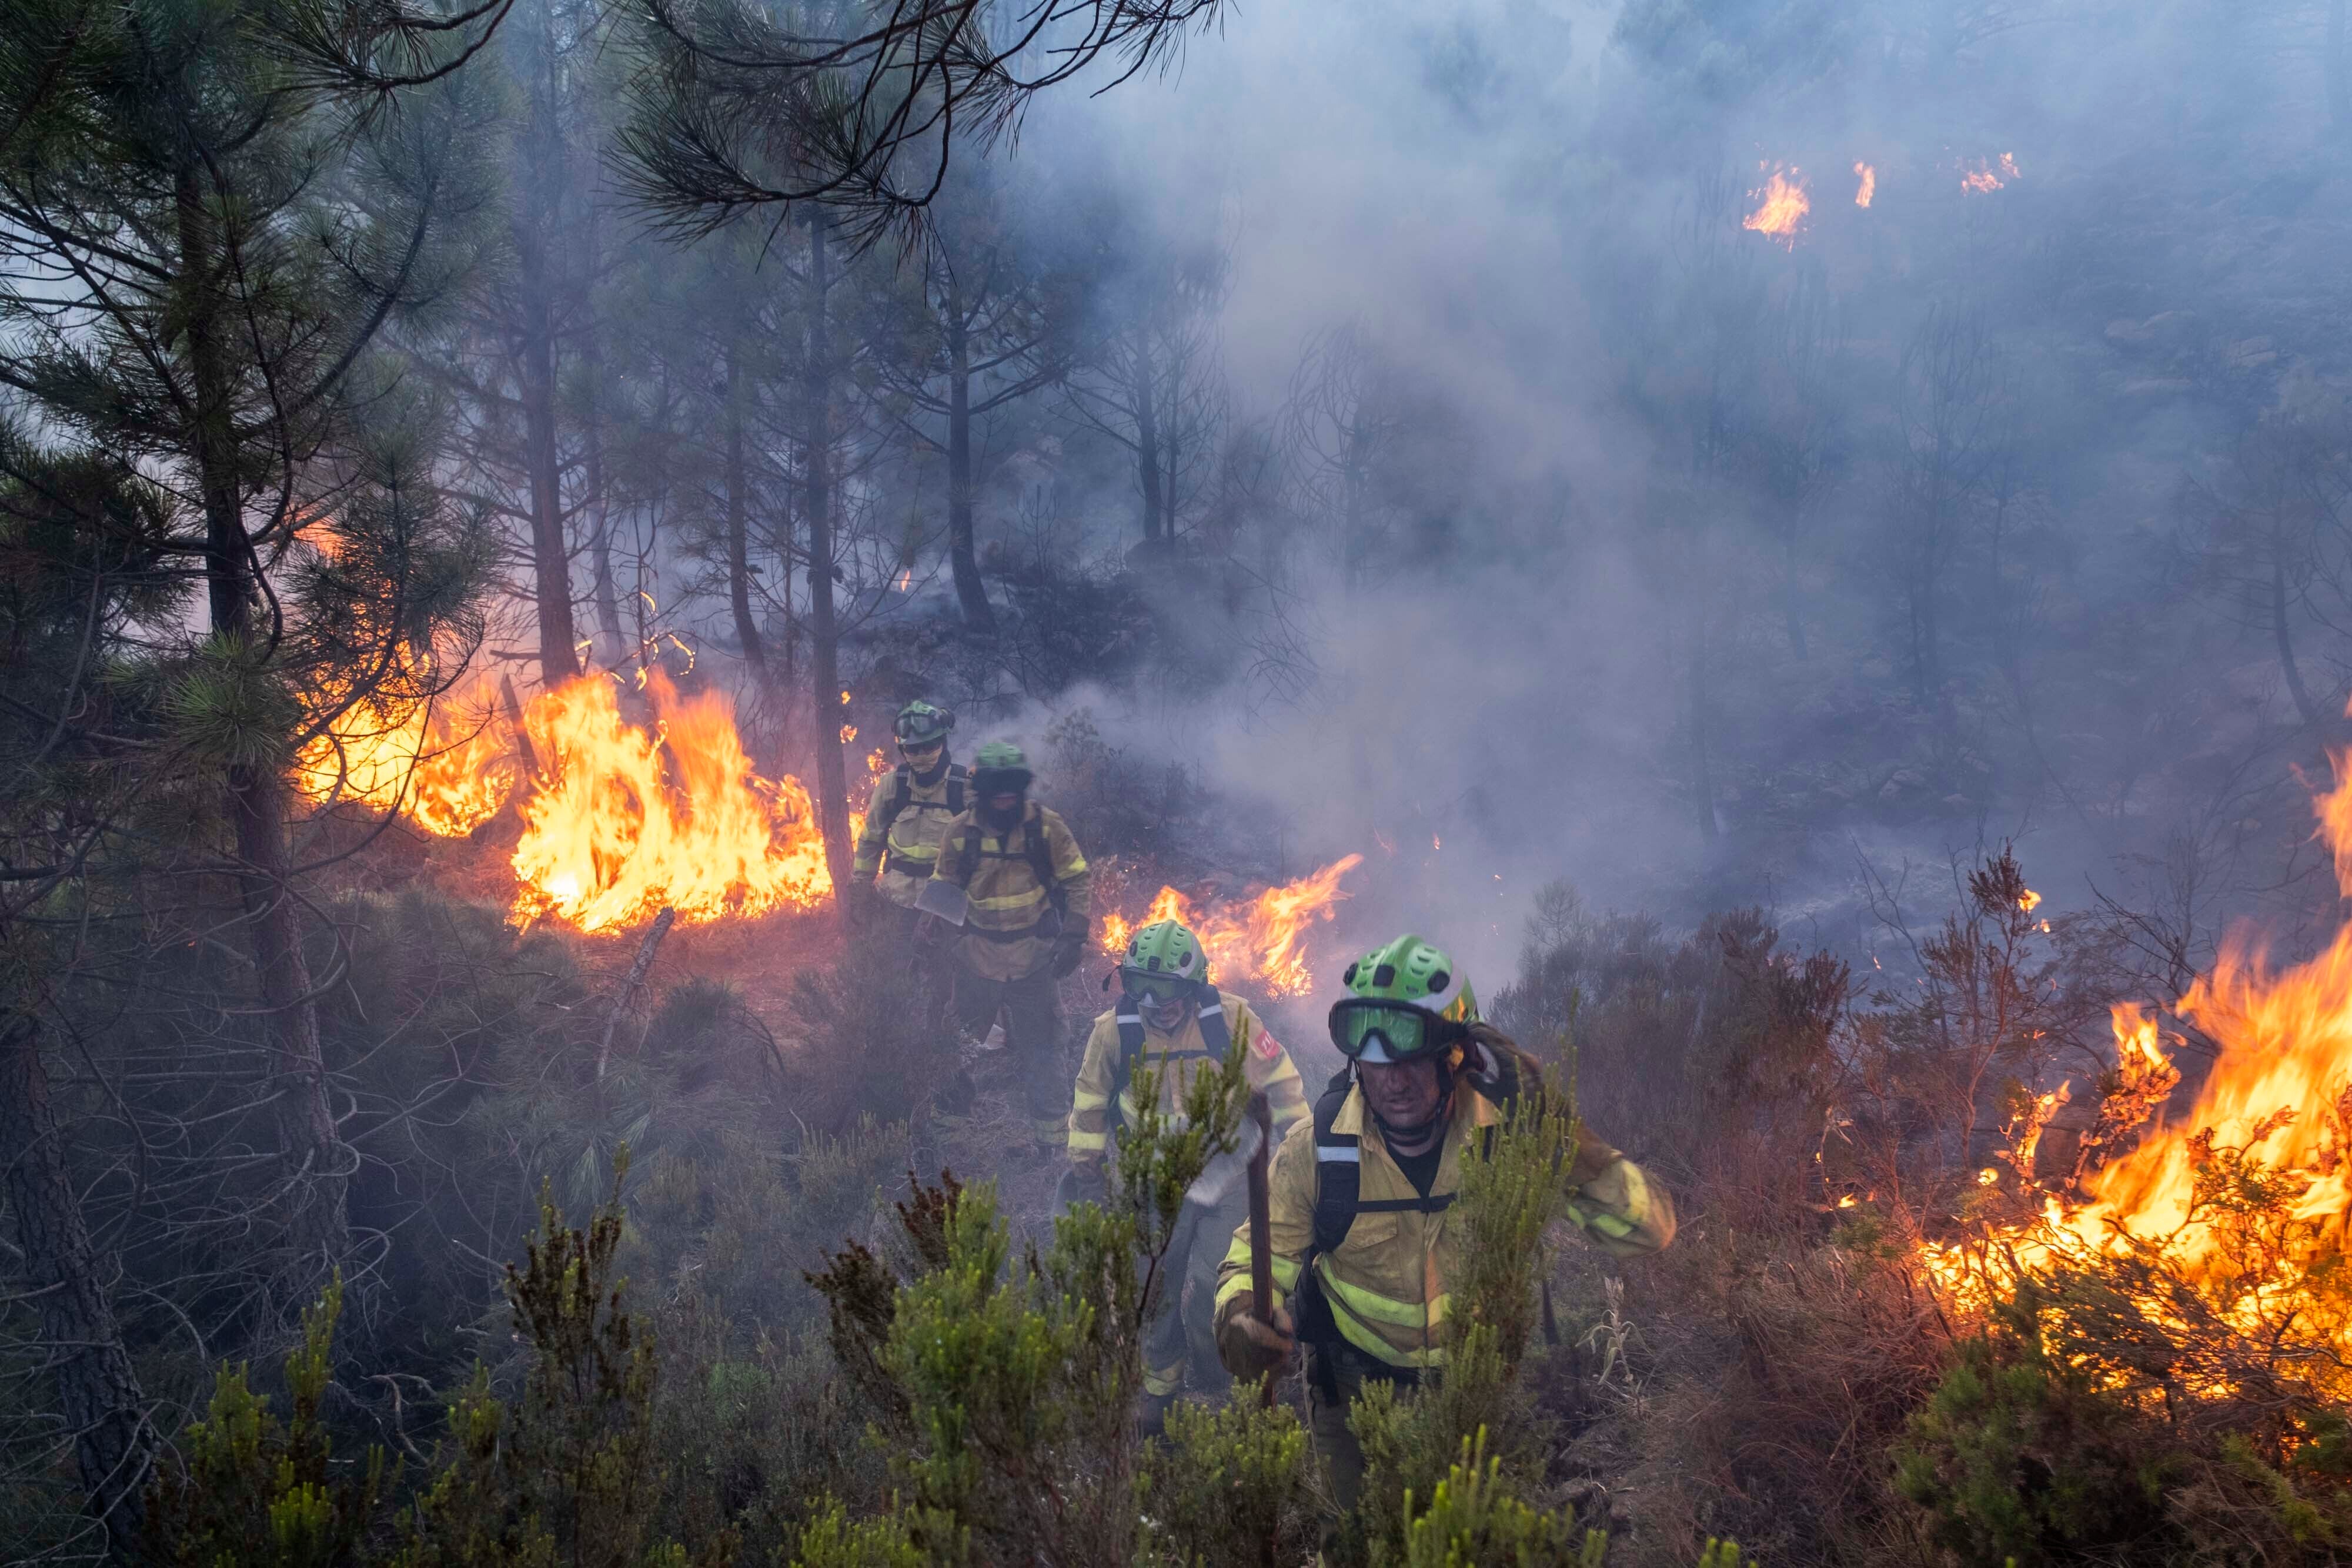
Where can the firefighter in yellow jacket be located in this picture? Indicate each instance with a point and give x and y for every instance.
(1171, 1019)
(1361, 1250)
(911, 806)
(1015, 883)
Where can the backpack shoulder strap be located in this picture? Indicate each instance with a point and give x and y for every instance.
(968, 857)
(1130, 1049)
(1214, 1036)
(957, 774)
(1338, 1170)
(901, 786)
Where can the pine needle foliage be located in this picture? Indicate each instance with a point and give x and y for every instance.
(251, 1489)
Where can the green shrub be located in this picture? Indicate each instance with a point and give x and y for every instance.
(251, 1489)
(1473, 1520)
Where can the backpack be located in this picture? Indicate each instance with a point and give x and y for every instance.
(1036, 851)
(1214, 1036)
(903, 787)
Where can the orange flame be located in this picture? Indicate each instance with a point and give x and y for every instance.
(2277, 1102)
(626, 821)
(1988, 175)
(1264, 944)
(1869, 178)
(905, 580)
(448, 765)
(1783, 209)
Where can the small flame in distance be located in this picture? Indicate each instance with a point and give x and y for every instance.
(1264, 943)
(1869, 187)
(1783, 206)
(1988, 175)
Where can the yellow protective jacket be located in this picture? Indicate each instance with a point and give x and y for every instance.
(908, 849)
(1100, 1101)
(1005, 933)
(1386, 1282)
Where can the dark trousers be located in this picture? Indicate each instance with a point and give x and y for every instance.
(1033, 1036)
(934, 971)
(1183, 1334)
(1336, 1374)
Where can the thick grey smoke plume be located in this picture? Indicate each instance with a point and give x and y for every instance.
(1533, 214)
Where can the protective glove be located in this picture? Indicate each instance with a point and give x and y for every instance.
(1069, 952)
(1249, 1348)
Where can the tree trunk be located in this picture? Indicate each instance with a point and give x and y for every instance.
(1792, 594)
(739, 542)
(97, 1389)
(600, 517)
(552, 566)
(971, 592)
(816, 415)
(1147, 442)
(312, 1207)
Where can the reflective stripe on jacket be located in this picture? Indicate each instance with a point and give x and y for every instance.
(1386, 1282)
(1002, 937)
(911, 850)
(1091, 1115)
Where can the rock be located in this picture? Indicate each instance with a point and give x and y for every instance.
(1959, 802)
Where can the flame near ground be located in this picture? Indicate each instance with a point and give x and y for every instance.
(2245, 1199)
(621, 818)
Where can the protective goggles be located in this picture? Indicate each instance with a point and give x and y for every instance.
(919, 729)
(1149, 988)
(1367, 1029)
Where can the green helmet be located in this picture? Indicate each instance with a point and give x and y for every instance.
(922, 724)
(1163, 960)
(1000, 768)
(1405, 1000)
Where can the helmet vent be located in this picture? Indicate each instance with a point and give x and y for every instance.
(1385, 975)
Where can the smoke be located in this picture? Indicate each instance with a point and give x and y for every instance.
(1532, 211)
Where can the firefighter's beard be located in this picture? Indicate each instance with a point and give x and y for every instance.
(1003, 821)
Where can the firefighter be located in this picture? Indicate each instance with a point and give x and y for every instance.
(1171, 1018)
(911, 806)
(1014, 881)
(1362, 1251)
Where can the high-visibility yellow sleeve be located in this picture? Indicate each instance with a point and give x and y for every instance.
(872, 836)
(1070, 873)
(1290, 1226)
(1625, 1213)
(1090, 1098)
(1271, 1069)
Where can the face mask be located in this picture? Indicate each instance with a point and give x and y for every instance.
(1003, 821)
